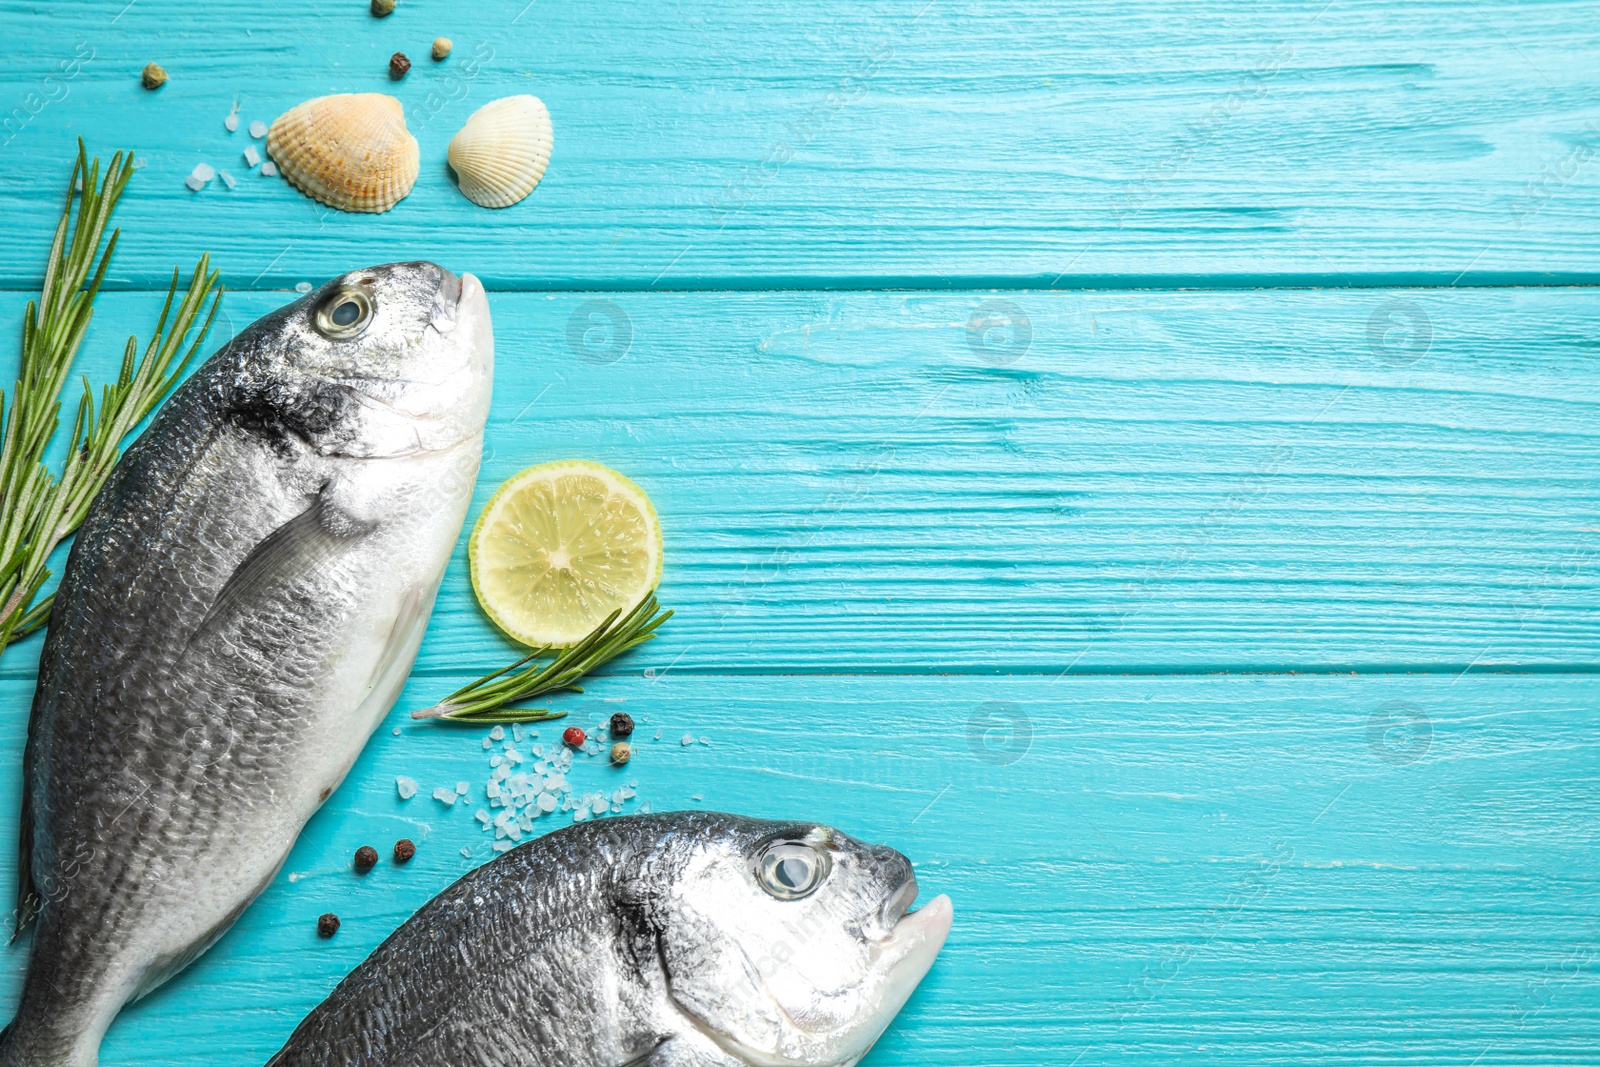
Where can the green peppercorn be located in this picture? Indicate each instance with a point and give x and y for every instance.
(153, 77)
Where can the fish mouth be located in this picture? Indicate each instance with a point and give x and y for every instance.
(914, 938)
(898, 903)
(904, 957)
(452, 290)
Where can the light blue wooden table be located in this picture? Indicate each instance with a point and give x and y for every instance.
(1141, 460)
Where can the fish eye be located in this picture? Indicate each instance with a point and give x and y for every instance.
(345, 313)
(791, 870)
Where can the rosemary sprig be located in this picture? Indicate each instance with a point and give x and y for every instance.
(38, 509)
(488, 699)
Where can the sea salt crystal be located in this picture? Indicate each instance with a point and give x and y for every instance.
(447, 797)
(227, 179)
(617, 798)
(462, 788)
(302, 287)
(482, 816)
(516, 731)
(514, 830)
(200, 176)
(232, 121)
(688, 739)
(495, 761)
(139, 163)
(591, 747)
(493, 790)
(406, 787)
(513, 757)
(644, 809)
(501, 846)
(658, 735)
(538, 750)
(251, 156)
(396, 731)
(269, 169)
(258, 129)
(467, 852)
(696, 797)
(488, 744)
(498, 733)
(580, 815)
(601, 806)
(547, 801)
(525, 823)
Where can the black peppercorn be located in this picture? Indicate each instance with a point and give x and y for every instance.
(404, 849)
(621, 725)
(398, 65)
(366, 859)
(327, 925)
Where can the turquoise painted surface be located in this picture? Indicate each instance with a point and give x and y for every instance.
(1274, 538)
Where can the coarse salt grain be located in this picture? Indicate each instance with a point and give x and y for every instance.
(232, 121)
(227, 179)
(407, 787)
(258, 129)
(269, 169)
(447, 797)
(251, 156)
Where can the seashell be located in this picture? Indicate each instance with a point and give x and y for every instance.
(351, 151)
(501, 152)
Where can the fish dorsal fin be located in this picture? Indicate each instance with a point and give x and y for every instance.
(300, 546)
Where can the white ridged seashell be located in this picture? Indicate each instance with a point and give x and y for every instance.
(351, 151)
(501, 152)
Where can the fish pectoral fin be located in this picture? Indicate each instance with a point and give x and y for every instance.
(297, 548)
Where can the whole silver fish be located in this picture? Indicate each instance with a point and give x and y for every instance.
(681, 940)
(238, 612)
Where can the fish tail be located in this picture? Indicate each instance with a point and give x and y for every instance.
(48, 1033)
(22, 1045)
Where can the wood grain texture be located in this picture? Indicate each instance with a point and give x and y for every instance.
(1196, 870)
(1012, 579)
(907, 142)
(1160, 482)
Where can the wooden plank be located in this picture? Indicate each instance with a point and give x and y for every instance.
(908, 143)
(1217, 870)
(1160, 482)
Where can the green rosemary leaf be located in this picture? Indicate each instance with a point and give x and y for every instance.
(490, 699)
(39, 509)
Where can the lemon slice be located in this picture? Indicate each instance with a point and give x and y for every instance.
(561, 546)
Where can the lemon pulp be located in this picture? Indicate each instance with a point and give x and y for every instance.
(561, 546)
